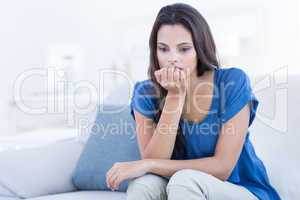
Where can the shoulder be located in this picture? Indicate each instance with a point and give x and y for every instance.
(233, 77)
(145, 87)
(144, 99)
(232, 73)
(235, 92)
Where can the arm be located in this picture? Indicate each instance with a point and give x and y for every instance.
(158, 142)
(227, 152)
(228, 149)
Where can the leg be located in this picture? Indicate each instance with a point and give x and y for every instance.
(197, 185)
(147, 187)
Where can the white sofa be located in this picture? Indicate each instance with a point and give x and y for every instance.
(44, 172)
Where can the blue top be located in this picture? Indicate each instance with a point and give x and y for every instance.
(232, 91)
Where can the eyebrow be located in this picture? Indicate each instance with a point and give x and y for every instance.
(180, 44)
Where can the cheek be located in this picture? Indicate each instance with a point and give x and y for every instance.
(190, 61)
(162, 59)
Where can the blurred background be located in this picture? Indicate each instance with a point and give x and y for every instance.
(57, 56)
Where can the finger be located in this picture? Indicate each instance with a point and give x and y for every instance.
(170, 74)
(113, 180)
(182, 76)
(187, 71)
(164, 75)
(176, 75)
(108, 175)
(158, 75)
(112, 177)
(116, 182)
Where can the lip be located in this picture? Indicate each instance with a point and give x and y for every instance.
(180, 68)
(176, 67)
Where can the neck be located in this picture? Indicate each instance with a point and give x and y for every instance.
(194, 81)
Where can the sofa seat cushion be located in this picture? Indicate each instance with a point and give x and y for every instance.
(85, 195)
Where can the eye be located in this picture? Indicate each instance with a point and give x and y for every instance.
(185, 49)
(163, 49)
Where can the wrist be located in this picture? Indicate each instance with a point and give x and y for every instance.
(177, 100)
(148, 164)
(176, 96)
(179, 93)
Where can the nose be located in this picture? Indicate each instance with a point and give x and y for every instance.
(173, 58)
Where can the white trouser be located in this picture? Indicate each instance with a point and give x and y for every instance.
(185, 184)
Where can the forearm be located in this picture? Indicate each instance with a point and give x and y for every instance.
(209, 165)
(162, 142)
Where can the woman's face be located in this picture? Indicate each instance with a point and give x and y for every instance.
(175, 48)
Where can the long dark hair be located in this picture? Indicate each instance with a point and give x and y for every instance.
(204, 44)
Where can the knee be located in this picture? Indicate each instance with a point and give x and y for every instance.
(189, 177)
(149, 186)
(188, 180)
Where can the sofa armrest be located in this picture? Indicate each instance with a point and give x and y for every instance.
(40, 170)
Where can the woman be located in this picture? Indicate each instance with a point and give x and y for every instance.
(192, 120)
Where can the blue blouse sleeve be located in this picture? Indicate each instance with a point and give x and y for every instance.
(236, 92)
(144, 99)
